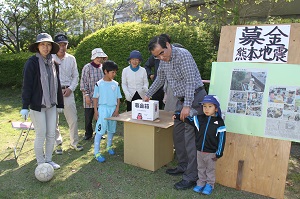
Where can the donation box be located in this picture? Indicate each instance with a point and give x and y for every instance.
(142, 110)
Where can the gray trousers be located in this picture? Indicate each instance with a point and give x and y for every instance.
(44, 126)
(184, 141)
(206, 168)
(70, 113)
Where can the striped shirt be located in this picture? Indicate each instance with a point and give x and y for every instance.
(89, 77)
(181, 73)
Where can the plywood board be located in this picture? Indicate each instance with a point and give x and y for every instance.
(265, 164)
(265, 160)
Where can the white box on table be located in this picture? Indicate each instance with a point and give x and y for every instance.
(145, 110)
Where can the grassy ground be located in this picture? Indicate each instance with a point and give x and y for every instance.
(81, 176)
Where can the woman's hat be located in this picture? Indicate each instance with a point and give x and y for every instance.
(213, 99)
(41, 38)
(135, 54)
(97, 52)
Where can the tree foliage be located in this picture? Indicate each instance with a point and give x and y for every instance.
(13, 14)
(163, 11)
(22, 20)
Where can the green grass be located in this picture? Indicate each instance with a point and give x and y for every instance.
(81, 176)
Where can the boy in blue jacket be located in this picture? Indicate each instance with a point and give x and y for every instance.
(210, 140)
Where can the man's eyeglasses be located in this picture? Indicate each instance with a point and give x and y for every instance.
(160, 54)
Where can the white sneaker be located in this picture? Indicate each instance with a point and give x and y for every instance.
(54, 165)
(77, 147)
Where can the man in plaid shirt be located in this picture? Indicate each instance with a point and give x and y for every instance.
(179, 68)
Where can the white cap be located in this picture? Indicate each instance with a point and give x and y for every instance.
(97, 52)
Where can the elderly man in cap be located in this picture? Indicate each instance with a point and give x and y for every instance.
(69, 80)
(91, 74)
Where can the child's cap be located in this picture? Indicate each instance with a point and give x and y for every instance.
(213, 99)
(135, 54)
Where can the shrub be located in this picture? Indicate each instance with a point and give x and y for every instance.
(11, 68)
(118, 41)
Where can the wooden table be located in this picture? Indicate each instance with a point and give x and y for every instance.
(147, 144)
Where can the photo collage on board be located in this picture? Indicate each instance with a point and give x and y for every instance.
(246, 92)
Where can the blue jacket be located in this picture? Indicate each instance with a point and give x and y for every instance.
(210, 133)
(32, 92)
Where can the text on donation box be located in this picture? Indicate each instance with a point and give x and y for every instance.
(145, 110)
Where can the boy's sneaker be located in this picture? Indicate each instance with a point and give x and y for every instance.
(54, 165)
(207, 189)
(77, 147)
(59, 150)
(198, 189)
(99, 157)
(111, 151)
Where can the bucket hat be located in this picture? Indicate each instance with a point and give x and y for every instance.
(61, 38)
(135, 54)
(98, 52)
(213, 99)
(42, 37)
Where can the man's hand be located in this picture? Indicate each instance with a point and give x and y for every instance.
(66, 92)
(184, 113)
(152, 77)
(146, 99)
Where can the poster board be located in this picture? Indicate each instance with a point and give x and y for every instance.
(265, 160)
(250, 111)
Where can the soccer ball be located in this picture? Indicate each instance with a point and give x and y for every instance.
(44, 172)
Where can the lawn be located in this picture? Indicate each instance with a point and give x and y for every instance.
(81, 176)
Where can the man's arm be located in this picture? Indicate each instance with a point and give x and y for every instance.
(148, 66)
(75, 75)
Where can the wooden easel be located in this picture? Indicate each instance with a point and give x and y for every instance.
(250, 163)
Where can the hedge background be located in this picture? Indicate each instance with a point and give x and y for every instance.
(117, 42)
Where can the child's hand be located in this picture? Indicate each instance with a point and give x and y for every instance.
(116, 113)
(176, 116)
(96, 115)
(88, 100)
(215, 158)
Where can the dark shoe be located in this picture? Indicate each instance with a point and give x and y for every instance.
(184, 184)
(87, 137)
(59, 150)
(174, 172)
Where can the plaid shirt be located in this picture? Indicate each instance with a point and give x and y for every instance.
(89, 77)
(182, 74)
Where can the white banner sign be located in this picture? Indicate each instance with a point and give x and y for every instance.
(262, 44)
